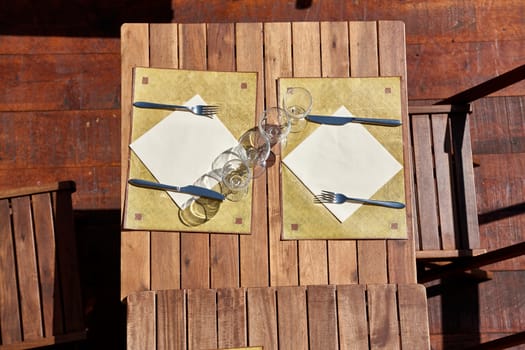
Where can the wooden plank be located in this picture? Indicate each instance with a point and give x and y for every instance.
(306, 46)
(424, 174)
(254, 252)
(352, 317)
(262, 318)
(466, 201)
(66, 249)
(336, 63)
(165, 252)
(442, 150)
(10, 329)
(26, 76)
(322, 317)
(135, 246)
(371, 255)
(278, 63)
(165, 246)
(171, 319)
(224, 249)
(140, 322)
(392, 62)
(293, 321)
(163, 38)
(51, 296)
(382, 316)
(413, 316)
(195, 254)
(231, 318)
(27, 268)
(202, 319)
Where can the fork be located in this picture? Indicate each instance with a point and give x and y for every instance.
(203, 110)
(338, 198)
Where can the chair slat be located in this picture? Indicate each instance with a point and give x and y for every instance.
(262, 317)
(202, 319)
(442, 153)
(322, 317)
(10, 330)
(426, 193)
(26, 262)
(412, 304)
(292, 323)
(141, 323)
(352, 315)
(47, 264)
(171, 319)
(382, 313)
(231, 314)
(66, 249)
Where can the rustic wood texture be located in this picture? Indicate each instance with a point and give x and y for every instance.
(316, 317)
(451, 46)
(40, 296)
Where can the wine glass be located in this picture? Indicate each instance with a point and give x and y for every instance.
(254, 147)
(236, 177)
(297, 102)
(275, 125)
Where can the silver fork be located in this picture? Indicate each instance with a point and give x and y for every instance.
(338, 198)
(203, 110)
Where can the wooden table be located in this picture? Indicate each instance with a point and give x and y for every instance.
(172, 260)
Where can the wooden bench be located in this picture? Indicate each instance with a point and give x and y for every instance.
(40, 296)
(355, 316)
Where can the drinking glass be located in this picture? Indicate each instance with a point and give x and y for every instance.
(275, 125)
(297, 102)
(198, 210)
(254, 148)
(236, 177)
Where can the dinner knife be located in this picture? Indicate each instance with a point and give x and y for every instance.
(335, 120)
(191, 189)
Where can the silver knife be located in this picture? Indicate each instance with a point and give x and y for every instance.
(333, 120)
(194, 190)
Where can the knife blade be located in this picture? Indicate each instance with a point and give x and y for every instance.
(339, 120)
(190, 189)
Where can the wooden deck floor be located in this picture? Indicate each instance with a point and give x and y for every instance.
(60, 119)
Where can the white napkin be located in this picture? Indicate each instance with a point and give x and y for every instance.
(181, 148)
(346, 159)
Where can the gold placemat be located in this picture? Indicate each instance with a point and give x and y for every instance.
(235, 94)
(378, 97)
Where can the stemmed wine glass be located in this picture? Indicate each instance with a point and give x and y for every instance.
(254, 147)
(297, 102)
(236, 176)
(275, 125)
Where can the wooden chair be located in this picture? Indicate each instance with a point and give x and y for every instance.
(40, 295)
(355, 316)
(447, 228)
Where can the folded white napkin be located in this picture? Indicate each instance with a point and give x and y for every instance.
(346, 159)
(181, 148)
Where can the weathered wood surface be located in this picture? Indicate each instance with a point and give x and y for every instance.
(44, 65)
(375, 316)
(262, 258)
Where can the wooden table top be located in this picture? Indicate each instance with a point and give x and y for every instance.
(172, 260)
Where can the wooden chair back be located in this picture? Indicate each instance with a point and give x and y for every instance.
(355, 316)
(447, 218)
(40, 295)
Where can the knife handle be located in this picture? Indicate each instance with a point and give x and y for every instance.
(153, 185)
(376, 121)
